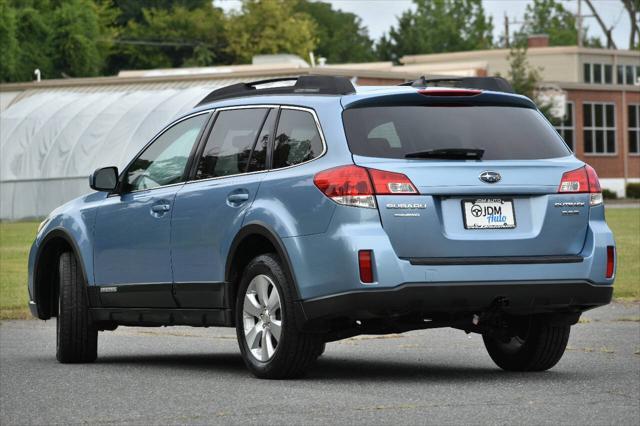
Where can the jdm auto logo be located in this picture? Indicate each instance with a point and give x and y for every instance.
(476, 210)
(490, 177)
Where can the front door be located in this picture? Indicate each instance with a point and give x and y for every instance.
(132, 254)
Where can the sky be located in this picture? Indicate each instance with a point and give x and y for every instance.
(379, 15)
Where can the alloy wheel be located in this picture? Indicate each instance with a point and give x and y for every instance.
(262, 317)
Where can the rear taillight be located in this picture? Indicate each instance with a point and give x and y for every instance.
(365, 263)
(582, 180)
(390, 183)
(611, 259)
(357, 186)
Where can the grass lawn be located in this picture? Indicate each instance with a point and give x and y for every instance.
(15, 241)
(16, 238)
(625, 224)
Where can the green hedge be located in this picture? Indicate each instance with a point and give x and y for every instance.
(633, 190)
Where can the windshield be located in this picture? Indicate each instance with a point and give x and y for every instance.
(504, 133)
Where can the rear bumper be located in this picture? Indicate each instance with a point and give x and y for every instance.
(437, 299)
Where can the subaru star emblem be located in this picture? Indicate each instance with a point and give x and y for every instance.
(490, 177)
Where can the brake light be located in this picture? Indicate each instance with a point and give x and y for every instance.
(348, 185)
(611, 256)
(365, 264)
(582, 180)
(450, 92)
(357, 186)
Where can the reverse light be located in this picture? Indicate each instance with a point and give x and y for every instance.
(365, 263)
(390, 183)
(582, 180)
(357, 186)
(611, 257)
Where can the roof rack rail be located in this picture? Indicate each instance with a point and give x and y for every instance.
(496, 84)
(304, 85)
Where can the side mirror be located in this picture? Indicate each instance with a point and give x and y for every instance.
(104, 179)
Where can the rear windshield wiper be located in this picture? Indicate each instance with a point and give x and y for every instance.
(449, 154)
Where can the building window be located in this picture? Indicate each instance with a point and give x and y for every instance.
(587, 73)
(627, 74)
(608, 74)
(600, 73)
(620, 74)
(629, 79)
(597, 73)
(566, 128)
(599, 124)
(634, 128)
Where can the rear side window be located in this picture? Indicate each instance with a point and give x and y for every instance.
(504, 133)
(297, 139)
(230, 143)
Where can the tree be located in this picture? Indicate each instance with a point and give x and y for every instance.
(441, 26)
(270, 27)
(551, 18)
(341, 35)
(75, 39)
(633, 11)
(133, 10)
(172, 37)
(525, 79)
(8, 41)
(34, 38)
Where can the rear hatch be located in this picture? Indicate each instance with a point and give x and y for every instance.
(502, 201)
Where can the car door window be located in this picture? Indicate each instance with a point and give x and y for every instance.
(230, 143)
(164, 161)
(258, 160)
(297, 139)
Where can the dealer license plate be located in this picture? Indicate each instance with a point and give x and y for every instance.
(488, 213)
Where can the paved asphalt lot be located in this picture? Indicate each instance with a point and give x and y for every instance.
(187, 375)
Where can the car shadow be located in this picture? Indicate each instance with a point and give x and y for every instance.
(331, 368)
(337, 369)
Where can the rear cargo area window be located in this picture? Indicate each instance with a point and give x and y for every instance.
(504, 133)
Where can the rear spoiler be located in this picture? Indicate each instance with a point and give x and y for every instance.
(495, 84)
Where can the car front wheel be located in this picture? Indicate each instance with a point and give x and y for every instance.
(76, 336)
(271, 345)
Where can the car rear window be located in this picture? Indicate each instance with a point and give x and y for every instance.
(504, 133)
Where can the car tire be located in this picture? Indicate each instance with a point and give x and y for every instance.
(539, 349)
(272, 347)
(76, 337)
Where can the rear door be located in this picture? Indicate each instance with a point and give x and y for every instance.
(504, 204)
(209, 209)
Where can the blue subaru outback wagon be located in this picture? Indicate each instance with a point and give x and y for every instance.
(310, 212)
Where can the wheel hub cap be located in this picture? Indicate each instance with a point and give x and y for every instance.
(262, 317)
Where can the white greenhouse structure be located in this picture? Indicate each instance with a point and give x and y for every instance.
(52, 138)
(54, 133)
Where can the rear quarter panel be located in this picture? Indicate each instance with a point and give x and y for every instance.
(288, 202)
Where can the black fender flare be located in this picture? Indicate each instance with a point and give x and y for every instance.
(264, 230)
(55, 233)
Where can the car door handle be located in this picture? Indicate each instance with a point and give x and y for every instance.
(160, 208)
(238, 197)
